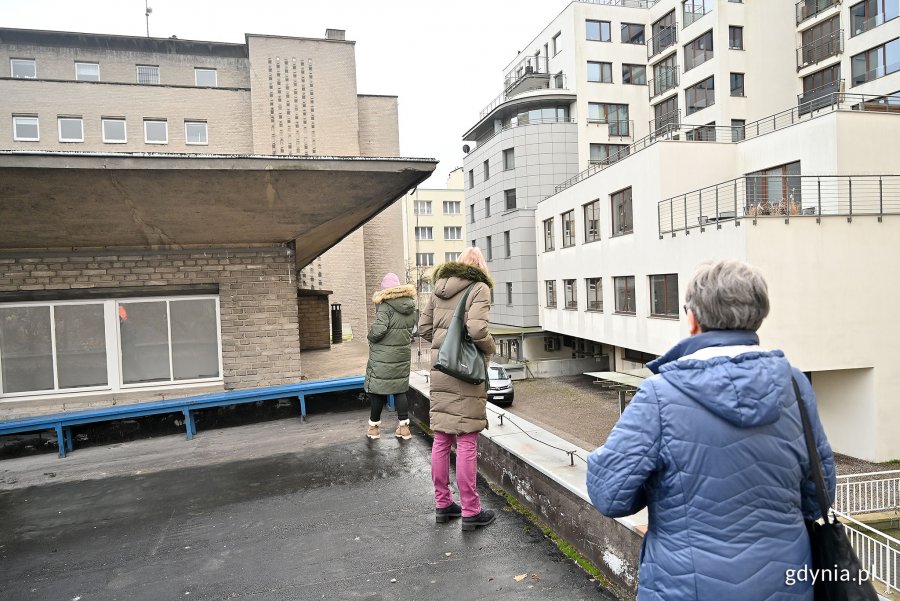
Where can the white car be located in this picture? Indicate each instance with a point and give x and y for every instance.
(500, 386)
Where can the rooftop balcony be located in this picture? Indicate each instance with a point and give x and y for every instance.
(820, 49)
(665, 38)
(807, 9)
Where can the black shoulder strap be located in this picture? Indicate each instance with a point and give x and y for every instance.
(815, 465)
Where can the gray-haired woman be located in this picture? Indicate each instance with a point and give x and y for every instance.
(714, 447)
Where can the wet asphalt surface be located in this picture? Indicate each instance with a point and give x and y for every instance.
(231, 515)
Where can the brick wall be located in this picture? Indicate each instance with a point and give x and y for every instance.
(257, 297)
(315, 325)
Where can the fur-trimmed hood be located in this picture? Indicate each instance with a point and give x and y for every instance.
(406, 290)
(463, 271)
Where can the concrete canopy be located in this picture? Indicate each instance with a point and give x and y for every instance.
(86, 200)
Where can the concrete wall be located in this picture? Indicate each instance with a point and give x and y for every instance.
(314, 316)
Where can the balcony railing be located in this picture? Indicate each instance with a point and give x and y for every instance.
(878, 553)
(820, 49)
(872, 492)
(691, 16)
(807, 9)
(666, 37)
(781, 196)
(819, 97)
(556, 81)
(858, 26)
(625, 3)
(663, 80)
(530, 66)
(668, 120)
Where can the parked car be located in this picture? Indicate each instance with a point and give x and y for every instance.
(500, 386)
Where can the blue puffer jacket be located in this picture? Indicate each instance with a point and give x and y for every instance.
(713, 446)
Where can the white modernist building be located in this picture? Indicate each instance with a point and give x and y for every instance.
(770, 135)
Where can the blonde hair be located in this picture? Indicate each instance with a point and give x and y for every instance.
(472, 256)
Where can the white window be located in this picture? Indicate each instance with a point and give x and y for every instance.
(422, 207)
(23, 68)
(195, 133)
(424, 259)
(451, 207)
(424, 233)
(453, 233)
(71, 129)
(451, 256)
(26, 129)
(114, 131)
(148, 74)
(206, 78)
(156, 131)
(49, 347)
(87, 72)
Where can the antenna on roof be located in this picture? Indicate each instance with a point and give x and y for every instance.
(147, 12)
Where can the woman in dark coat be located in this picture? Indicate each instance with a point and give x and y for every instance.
(389, 353)
(458, 409)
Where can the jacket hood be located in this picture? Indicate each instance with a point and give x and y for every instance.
(406, 290)
(747, 389)
(453, 277)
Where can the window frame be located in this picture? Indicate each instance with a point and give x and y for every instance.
(669, 312)
(449, 229)
(549, 236)
(487, 169)
(550, 293)
(487, 206)
(507, 194)
(37, 125)
(427, 257)
(570, 294)
(417, 204)
(603, 68)
(509, 158)
(627, 219)
(567, 222)
(122, 120)
(488, 248)
(193, 122)
(12, 68)
(629, 291)
(600, 23)
(424, 232)
(147, 83)
(453, 204)
(696, 53)
(214, 71)
(692, 96)
(59, 125)
(629, 79)
(736, 42)
(148, 121)
(628, 38)
(85, 64)
(451, 256)
(507, 244)
(509, 294)
(594, 216)
(731, 80)
(597, 285)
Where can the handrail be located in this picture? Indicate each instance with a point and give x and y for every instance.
(625, 3)
(879, 553)
(868, 493)
(819, 49)
(666, 38)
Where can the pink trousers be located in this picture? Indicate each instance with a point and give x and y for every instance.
(466, 471)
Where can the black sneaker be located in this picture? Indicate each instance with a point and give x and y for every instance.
(476, 521)
(442, 515)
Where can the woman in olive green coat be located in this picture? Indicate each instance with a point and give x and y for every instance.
(389, 353)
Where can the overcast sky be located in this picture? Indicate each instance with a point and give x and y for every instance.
(444, 59)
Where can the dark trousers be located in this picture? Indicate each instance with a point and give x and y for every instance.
(377, 402)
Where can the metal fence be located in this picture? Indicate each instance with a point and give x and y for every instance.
(868, 493)
(878, 553)
(820, 49)
(625, 3)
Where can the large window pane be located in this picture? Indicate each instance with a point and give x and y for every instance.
(195, 344)
(144, 333)
(80, 345)
(26, 350)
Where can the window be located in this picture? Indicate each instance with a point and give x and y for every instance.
(598, 31)
(23, 68)
(666, 114)
(156, 131)
(424, 259)
(737, 84)
(599, 72)
(664, 295)
(615, 115)
(821, 41)
(635, 75)
(570, 290)
(451, 207)
(735, 37)
(509, 288)
(738, 132)
(624, 288)
(507, 244)
(872, 13)
(698, 51)
(607, 154)
(26, 129)
(665, 34)
(550, 286)
(827, 76)
(622, 220)
(71, 129)
(425, 286)
(509, 159)
(195, 133)
(568, 229)
(694, 9)
(594, 294)
(704, 133)
(592, 221)
(510, 197)
(87, 72)
(488, 249)
(774, 191)
(148, 74)
(548, 234)
(63, 345)
(633, 33)
(473, 243)
(700, 96)
(114, 131)
(423, 207)
(452, 233)
(450, 256)
(876, 62)
(472, 215)
(424, 233)
(556, 42)
(206, 78)
(665, 76)
(487, 171)
(487, 206)
(471, 178)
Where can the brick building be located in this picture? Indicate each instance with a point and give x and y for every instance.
(163, 201)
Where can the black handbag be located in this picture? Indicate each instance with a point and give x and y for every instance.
(459, 357)
(839, 576)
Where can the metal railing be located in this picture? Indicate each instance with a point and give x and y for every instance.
(669, 119)
(858, 26)
(663, 80)
(819, 97)
(820, 49)
(625, 3)
(667, 37)
(690, 16)
(557, 81)
(807, 9)
(529, 65)
(782, 196)
(871, 492)
(514, 124)
(878, 553)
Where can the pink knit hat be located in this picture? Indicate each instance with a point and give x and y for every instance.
(390, 281)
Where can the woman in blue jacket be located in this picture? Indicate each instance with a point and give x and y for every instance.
(713, 446)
